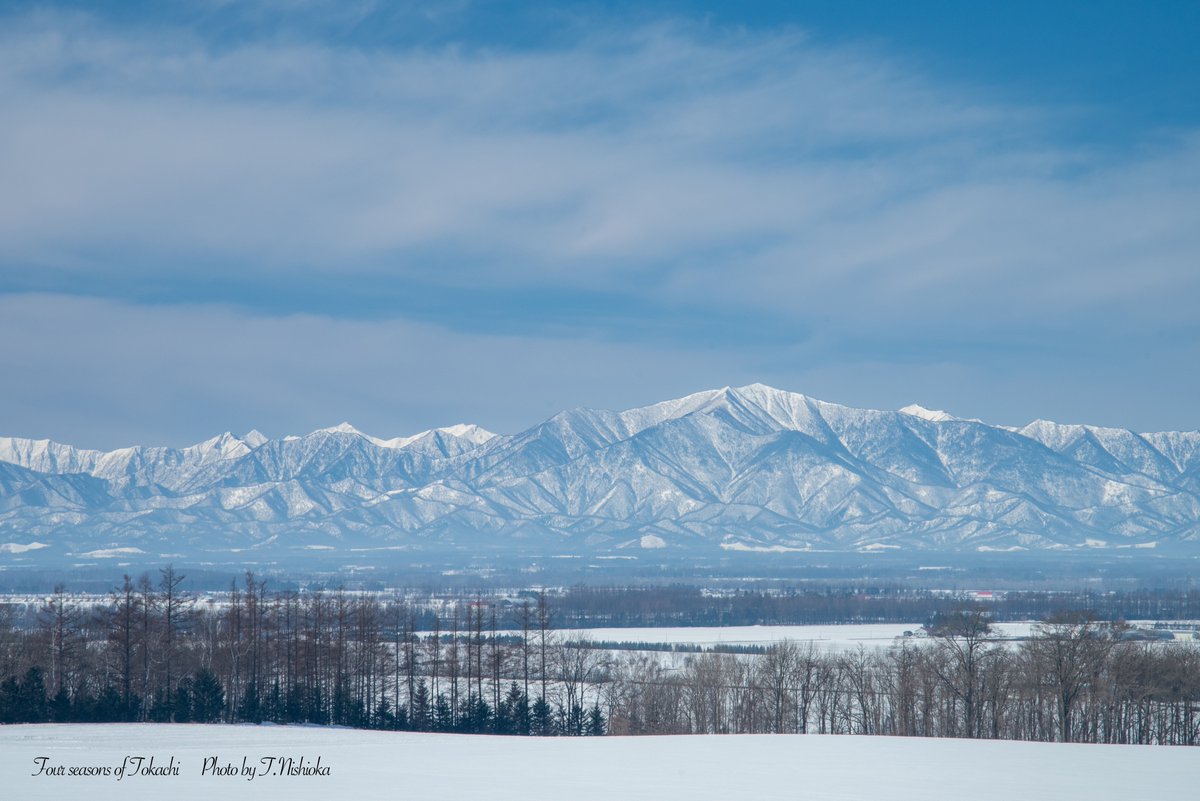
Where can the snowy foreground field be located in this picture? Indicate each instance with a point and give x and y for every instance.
(368, 765)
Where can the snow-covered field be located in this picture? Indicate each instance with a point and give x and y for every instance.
(368, 765)
(827, 638)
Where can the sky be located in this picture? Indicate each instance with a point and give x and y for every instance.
(282, 215)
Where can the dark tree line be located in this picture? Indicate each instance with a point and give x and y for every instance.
(685, 605)
(153, 652)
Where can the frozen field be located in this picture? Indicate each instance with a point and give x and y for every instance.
(380, 765)
(829, 638)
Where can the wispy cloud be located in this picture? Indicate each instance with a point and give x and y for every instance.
(642, 184)
(177, 374)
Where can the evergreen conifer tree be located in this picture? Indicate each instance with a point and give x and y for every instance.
(182, 708)
(60, 706)
(595, 721)
(208, 697)
(421, 713)
(542, 718)
(10, 696)
(251, 706)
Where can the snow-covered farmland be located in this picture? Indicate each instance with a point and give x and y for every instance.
(368, 765)
(834, 638)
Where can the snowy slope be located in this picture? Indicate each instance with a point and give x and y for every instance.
(746, 469)
(387, 765)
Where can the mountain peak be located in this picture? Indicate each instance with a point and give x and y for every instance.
(223, 446)
(254, 438)
(469, 432)
(934, 415)
(341, 428)
(757, 390)
(770, 398)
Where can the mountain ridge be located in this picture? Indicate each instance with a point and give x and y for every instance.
(732, 469)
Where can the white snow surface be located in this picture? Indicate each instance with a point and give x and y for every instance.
(936, 415)
(385, 765)
(833, 637)
(19, 547)
(112, 553)
(469, 432)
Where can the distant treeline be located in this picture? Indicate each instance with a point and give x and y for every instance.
(672, 647)
(1074, 680)
(474, 665)
(683, 605)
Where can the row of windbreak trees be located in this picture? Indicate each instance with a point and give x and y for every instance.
(152, 653)
(681, 605)
(1074, 680)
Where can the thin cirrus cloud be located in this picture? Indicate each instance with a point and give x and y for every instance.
(793, 207)
(177, 374)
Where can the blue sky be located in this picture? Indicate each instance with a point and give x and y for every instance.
(282, 215)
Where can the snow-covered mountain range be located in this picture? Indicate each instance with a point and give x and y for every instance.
(746, 469)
